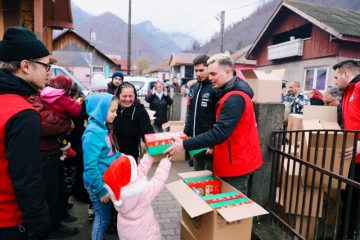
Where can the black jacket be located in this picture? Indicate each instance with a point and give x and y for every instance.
(159, 106)
(22, 142)
(228, 118)
(201, 110)
(130, 125)
(111, 88)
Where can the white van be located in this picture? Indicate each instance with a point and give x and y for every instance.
(142, 84)
(57, 70)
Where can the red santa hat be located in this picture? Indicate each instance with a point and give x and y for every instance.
(121, 172)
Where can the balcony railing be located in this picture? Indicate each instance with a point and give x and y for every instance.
(286, 49)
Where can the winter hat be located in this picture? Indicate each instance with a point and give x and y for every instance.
(121, 172)
(61, 82)
(20, 44)
(98, 82)
(117, 74)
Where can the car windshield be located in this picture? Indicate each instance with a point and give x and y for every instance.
(138, 84)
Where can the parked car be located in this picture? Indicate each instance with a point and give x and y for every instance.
(142, 84)
(57, 70)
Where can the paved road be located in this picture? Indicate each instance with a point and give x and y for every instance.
(166, 208)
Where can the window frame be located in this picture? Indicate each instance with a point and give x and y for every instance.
(316, 69)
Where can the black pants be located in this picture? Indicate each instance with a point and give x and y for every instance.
(13, 233)
(53, 178)
(354, 217)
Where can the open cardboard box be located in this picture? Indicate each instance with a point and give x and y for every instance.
(205, 223)
(266, 86)
(311, 112)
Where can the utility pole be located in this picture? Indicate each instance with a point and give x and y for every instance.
(222, 23)
(129, 42)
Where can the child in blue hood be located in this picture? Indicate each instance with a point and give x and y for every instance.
(100, 150)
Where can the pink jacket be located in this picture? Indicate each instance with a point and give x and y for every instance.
(136, 219)
(58, 101)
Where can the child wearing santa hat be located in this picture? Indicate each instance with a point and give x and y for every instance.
(132, 194)
(100, 150)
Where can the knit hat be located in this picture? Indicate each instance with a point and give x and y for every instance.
(121, 172)
(61, 82)
(98, 82)
(117, 74)
(20, 44)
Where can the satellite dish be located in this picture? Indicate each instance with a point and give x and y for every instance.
(92, 36)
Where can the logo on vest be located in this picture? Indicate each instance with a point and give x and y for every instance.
(351, 98)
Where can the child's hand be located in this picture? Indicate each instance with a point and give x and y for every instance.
(209, 151)
(106, 198)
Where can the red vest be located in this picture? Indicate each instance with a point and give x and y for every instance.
(351, 109)
(10, 214)
(239, 154)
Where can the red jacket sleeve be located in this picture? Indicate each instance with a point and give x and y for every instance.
(70, 106)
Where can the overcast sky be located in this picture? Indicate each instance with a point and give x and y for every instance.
(193, 17)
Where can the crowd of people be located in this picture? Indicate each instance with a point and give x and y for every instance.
(53, 142)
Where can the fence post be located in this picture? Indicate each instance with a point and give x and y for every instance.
(176, 108)
(269, 117)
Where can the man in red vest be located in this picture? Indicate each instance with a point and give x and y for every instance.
(347, 78)
(234, 135)
(24, 68)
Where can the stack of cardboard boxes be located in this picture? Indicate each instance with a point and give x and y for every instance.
(320, 148)
(201, 221)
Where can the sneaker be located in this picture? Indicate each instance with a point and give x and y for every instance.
(63, 232)
(68, 218)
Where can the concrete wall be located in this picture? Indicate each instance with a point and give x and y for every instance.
(269, 117)
(296, 70)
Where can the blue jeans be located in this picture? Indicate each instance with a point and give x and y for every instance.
(102, 214)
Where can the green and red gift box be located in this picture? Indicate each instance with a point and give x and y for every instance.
(157, 143)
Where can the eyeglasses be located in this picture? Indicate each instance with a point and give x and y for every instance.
(46, 65)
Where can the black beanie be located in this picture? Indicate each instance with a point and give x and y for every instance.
(21, 44)
(118, 74)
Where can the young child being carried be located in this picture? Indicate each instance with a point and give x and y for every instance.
(56, 98)
(132, 194)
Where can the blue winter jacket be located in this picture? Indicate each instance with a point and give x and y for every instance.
(98, 153)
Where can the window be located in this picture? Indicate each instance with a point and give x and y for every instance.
(301, 32)
(98, 69)
(189, 72)
(315, 78)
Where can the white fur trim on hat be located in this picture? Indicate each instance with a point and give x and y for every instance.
(117, 203)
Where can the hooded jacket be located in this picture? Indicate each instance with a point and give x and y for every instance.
(58, 101)
(233, 113)
(136, 219)
(20, 161)
(351, 107)
(131, 124)
(97, 149)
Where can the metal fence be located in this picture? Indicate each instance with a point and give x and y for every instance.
(313, 189)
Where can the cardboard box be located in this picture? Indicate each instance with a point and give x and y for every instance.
(332, 148)
(185, 233)
(293, 180)
(206, 223)
(266, 86)
(326, 114)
